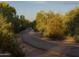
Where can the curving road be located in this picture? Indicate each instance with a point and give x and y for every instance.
(33, 43)
(29, 37)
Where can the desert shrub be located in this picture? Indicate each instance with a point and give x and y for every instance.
(50, 24)
(72, 22)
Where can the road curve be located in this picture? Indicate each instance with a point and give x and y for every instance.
(52, 48)
(36, 42)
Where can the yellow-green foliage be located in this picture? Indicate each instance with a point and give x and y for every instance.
(7, 41)
(5, 28)
(49, 23)
(18, 23)
(8, 24)
(6, 33)
(72, 21)
(54, 26)
(41, 21)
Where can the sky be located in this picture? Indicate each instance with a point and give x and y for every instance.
(30, 8)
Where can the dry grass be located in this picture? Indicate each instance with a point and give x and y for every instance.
(70, 40)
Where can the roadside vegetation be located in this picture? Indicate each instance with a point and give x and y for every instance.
(58, 26)
(51, 25)
(10, 25)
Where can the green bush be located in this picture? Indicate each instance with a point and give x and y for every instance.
(7, 43)
(49, 24)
